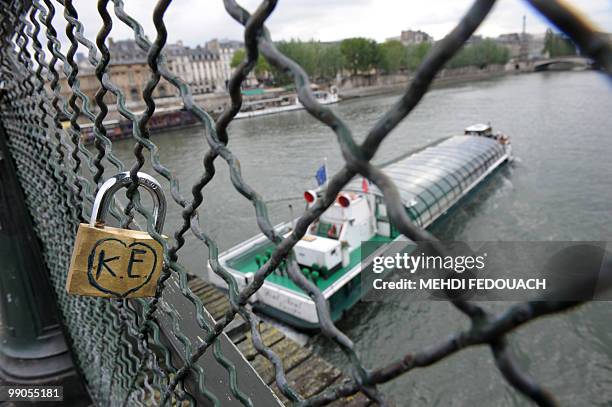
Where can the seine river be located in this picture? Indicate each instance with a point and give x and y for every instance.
(559, 188)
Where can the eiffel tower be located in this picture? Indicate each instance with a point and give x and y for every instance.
(524, 49)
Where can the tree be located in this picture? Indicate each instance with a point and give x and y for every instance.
(557, 45)
(393, 56)
(237, 58)
(319, 60)
(359, 54)
(262, 68)
(303, 53)
(330, 61)
(415, 54)
(481, 54)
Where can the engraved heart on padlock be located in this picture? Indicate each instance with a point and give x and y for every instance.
(117, 268)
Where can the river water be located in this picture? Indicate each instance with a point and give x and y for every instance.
(559, 188)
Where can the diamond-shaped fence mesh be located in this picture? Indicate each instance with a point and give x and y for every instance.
(122, 346)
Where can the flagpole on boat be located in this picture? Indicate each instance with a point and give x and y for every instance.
(326, 173)
(291, 216)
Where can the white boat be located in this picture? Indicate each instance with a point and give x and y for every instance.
(282, 104)
(430, 181)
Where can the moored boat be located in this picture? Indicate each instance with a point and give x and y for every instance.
(285, 103)
(430, 182)
(165, 118)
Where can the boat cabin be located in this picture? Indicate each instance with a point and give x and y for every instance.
(339, 230)
(479, 129)
(485, 130)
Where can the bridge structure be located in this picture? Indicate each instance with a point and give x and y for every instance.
(567, 62)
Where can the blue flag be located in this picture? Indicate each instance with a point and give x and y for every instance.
(321, 175)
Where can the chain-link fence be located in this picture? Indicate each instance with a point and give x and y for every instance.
(126, 349)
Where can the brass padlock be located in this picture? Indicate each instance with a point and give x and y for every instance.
(113, 262)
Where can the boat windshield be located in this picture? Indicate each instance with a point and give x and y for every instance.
(329, 230)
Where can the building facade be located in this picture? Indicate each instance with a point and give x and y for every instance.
(513, 42)
(207, 73)
(523, 46)
(205, 68)
(410, 37)
(225, 49)
(130, 77)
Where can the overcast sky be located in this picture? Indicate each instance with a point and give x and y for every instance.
(197, 21)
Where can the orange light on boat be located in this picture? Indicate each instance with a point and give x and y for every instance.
(344, 201)
(310, 196)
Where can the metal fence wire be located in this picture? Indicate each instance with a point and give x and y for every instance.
(121, 347)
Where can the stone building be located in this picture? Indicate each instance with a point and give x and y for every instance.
(225, 49)
(513, 42)
(205, 68)
(208, 73)
(125, 51)
(410, 37)
(88, 83)
(523, 46)
(130, 77)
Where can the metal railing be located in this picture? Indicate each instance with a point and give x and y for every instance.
(141, 351)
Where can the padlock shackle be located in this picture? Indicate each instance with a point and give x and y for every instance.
(123, 180)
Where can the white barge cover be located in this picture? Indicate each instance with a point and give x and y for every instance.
(431, 180)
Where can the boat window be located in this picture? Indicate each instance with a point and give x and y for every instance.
(453, 180)
(488, 158)
(429, 198)
(413, 201)
(489, 155)
(431, 185)
(433, 175)
(444, 185)
(416, 204)
(413, 214)
(464, 172)
(472, 165)
(329, 230)
(480, 168)
(427, 191)
(437, 191)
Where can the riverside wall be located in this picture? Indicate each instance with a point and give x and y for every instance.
(362, 86)
(349, 87)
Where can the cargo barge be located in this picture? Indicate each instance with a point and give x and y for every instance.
(431, 181)
(165, 118)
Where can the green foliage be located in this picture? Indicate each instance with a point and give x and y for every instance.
(304, 53)
(360, 55)
(415, 54)
(330, 62)
(393, 56)
(237, 58)
(481, 54)
(324, 61)
(558, 46)
(319, 60)
(262, 68)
